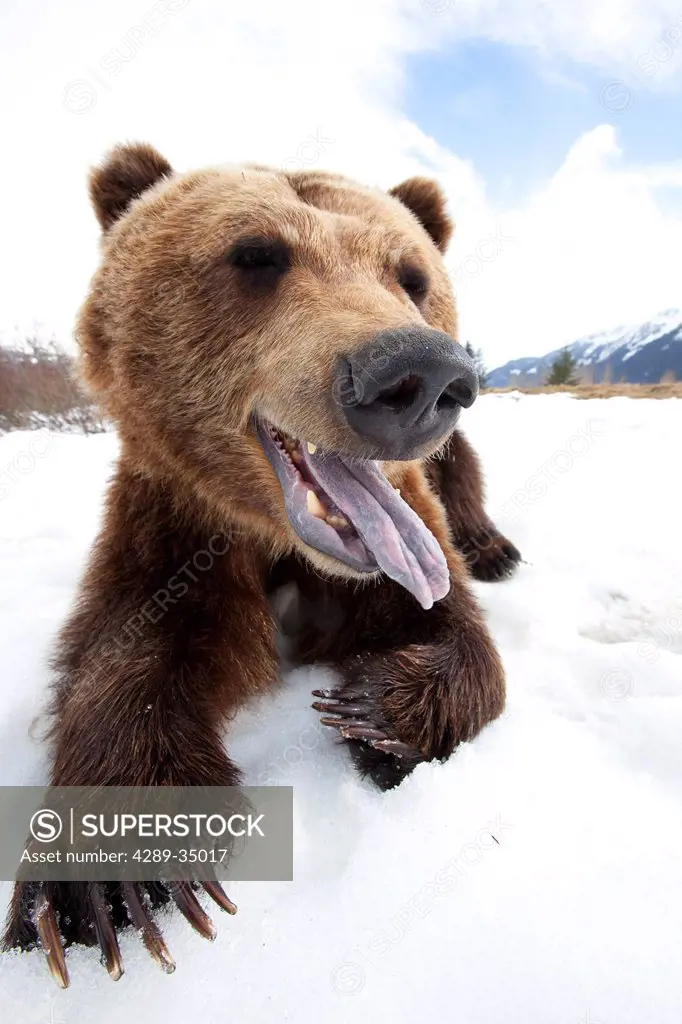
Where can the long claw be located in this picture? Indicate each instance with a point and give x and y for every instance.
(360, 728)
(192, 910)
(338, 708)
(361, 732)
(151, 936)
(51, 940)
(350, 706)
(341, 695)
(215, 891)
(395, 747)
(106, 935)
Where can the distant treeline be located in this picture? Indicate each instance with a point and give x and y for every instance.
(39, 387)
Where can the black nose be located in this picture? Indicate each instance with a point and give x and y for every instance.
(404, 390)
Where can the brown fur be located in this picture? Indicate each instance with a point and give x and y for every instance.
(427, 203)
(128, 172)
(180, 351)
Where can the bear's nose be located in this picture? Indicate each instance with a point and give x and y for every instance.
(404, 390)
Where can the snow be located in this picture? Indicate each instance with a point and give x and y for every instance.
(403, 906)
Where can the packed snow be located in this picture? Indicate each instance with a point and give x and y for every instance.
(533, 878)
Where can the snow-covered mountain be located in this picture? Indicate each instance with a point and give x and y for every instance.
(639, 355)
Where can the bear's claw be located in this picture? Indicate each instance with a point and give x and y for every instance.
(355, 722)
(191, 910)
(51, 940)
(147, 928)
(106, 936)
(131, 895)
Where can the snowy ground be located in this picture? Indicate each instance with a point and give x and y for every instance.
(403, 907)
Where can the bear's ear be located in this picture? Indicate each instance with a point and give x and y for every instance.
(425, 199)
(126, 172)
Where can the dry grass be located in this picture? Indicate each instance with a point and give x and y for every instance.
(38, 387)
(663, 390)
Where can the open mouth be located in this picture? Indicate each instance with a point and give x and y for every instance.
(346, 508)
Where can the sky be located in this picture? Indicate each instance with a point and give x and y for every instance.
(552, 125)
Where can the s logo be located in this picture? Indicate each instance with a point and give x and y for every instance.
(46, 826)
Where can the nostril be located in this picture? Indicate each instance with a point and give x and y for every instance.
(458, 392)
(446, 401)
(401, 395)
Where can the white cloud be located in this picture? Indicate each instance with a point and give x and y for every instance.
(610, 34)
(210, 82)
(594, 248)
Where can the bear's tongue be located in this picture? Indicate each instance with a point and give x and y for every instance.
(391, 531)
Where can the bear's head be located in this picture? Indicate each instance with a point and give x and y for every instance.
(280, 344)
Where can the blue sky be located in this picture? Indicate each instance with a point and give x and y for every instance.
(515, 115)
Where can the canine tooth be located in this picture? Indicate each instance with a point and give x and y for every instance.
(315, 506)
(312, 448)
(397, 490)
(337, 521)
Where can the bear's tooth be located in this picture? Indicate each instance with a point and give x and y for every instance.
(337, 521)
(315, 506)
(397, 491)
(312, 448)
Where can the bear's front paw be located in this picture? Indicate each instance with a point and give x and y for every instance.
(489, 555)
(398, 709)
(56, 914)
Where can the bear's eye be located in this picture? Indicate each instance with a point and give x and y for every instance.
(414, 282)
(261, 257)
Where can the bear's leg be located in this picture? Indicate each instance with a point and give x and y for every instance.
(458, 479)
(171, 633)
(415, 683)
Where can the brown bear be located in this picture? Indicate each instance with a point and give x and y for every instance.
(277, 351)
